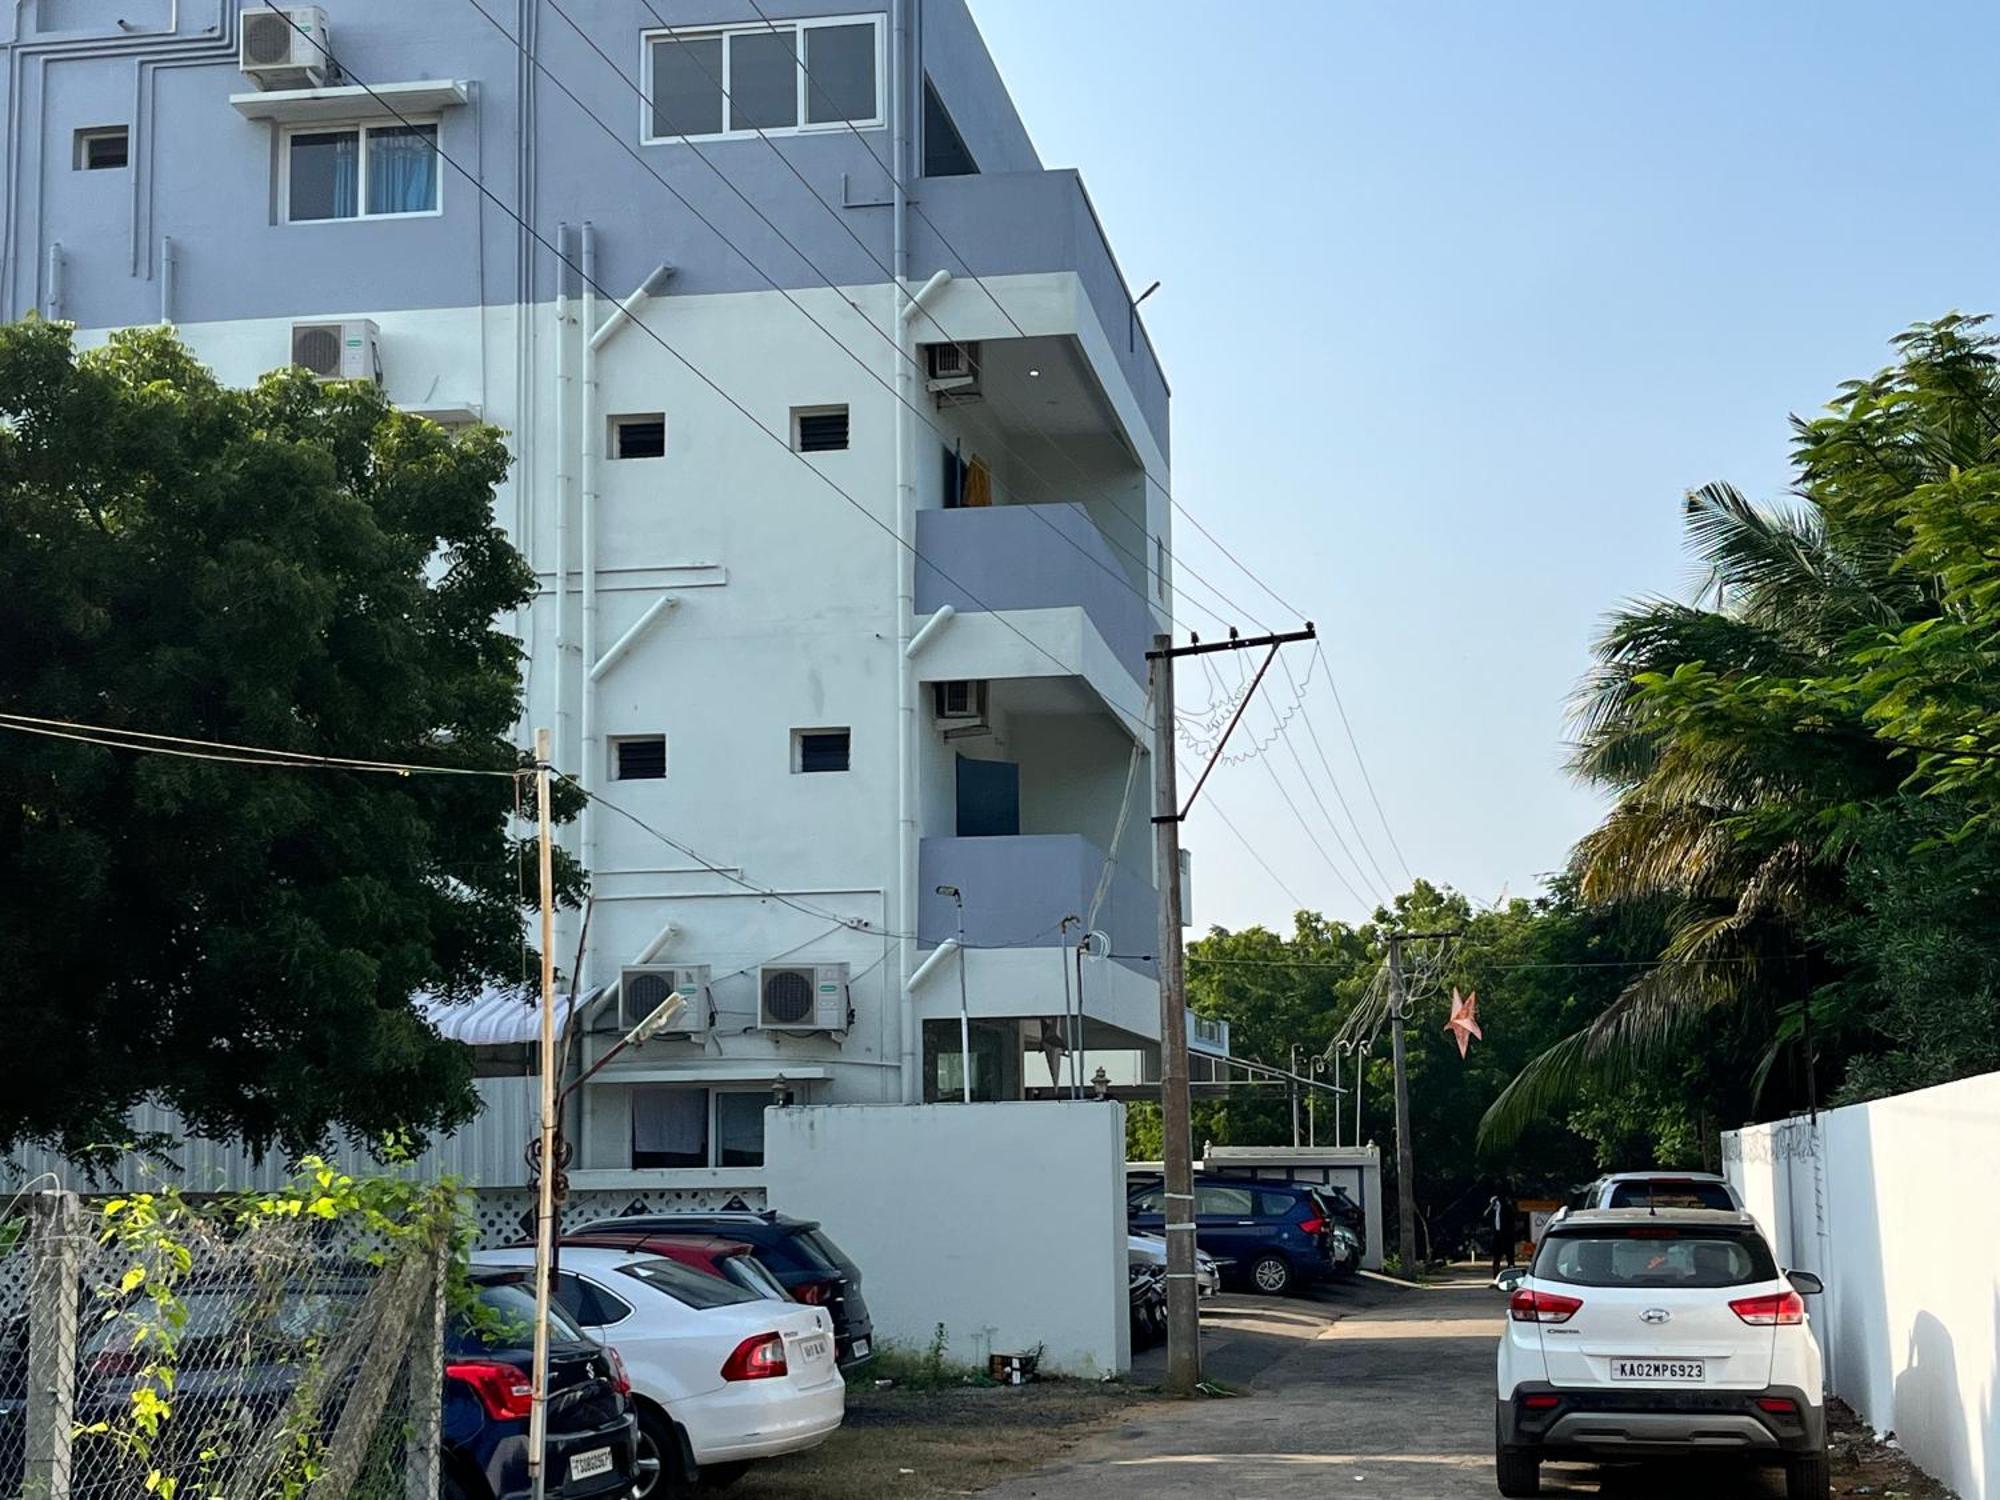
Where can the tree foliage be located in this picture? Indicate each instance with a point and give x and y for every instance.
(298, 566)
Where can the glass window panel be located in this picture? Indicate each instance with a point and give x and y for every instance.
(402, 169)
(687, 86)
(326, 180)
(840, 69)
(669, 1127)
(739, 1121)
(763, 80)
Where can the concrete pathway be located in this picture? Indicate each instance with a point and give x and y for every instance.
(1370, 1390)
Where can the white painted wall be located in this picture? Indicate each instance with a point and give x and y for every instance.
(1893, 1203)
(1003, 1222)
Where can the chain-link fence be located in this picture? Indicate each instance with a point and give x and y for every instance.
(150, 1348)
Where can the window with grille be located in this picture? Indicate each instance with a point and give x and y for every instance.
(639, 757)
(820, 429)
(104, 149)
(815, 750)
(641, 436)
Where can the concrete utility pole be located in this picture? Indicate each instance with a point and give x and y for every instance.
(545, 1202)
(1177, 1146)
(1406, 1156)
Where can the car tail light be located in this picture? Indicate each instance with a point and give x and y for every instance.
(1314, 1225)
(504, 1391)
(818, 1293)
(620, 1381)
(1783, 1406)
(116, 1362)
(1527, 1306)
(1541, 1402)
(761, 1357)
(1772, 1309)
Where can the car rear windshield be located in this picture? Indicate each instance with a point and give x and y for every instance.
(1660, 1193)
(1649, 1256)
(748, 1272)
(686, 1284)
(502, 1316)
(813, 1247)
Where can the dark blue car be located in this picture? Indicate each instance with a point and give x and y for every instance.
(593, 1442)
(1272, 1237)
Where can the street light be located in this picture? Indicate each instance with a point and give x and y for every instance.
(964, 1015)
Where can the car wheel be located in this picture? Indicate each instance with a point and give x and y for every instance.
(659, 1457)
(1806, 1477)
(1517, 1473)
(1271, 1275)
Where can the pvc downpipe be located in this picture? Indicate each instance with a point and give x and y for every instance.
(168, 266)
(587, 446)
(563, 560)
(907, 832)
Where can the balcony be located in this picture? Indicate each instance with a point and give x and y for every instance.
(1032, 557)
(1018, 890)
(1020, 223)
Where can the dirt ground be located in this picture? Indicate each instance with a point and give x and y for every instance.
(1862, 1466)
(915, 1445)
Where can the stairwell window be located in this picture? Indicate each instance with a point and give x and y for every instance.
(360, 172)
(819, 429)
(643, 436)
(710, 82)
(639, 757)
(818, 750)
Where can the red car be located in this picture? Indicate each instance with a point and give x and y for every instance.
(718, 1255)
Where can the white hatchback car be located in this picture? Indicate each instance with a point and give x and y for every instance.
(1641, 1333)
(720, 1375)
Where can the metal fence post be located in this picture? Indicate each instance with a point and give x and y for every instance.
(426, 1441)
(56, 1262)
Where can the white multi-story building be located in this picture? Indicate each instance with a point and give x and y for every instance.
(841, 456)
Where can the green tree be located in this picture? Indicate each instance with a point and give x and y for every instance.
(295, 565)
(1782, 750)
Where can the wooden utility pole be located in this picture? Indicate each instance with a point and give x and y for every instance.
(545, 1204)
(1177, 1143)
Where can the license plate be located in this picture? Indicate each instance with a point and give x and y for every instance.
(814, 1348)
(861, 1347)
(1660, 1371)
(590, 1465)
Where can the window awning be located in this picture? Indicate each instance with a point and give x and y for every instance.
(499, 1017)
(350, 103)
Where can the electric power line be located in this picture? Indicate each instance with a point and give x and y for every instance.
(245, 755)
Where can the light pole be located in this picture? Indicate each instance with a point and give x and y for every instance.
(964, 1015)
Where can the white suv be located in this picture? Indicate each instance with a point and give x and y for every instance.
(1640, 1333)
(1657, 1190)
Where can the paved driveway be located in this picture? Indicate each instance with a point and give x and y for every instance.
(1371, 1390)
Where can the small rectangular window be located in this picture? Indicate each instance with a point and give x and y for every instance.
(815, 750)
(820, 429)
(639, 436)
(639, 757)
(105, 149)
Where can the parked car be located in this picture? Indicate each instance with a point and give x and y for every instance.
(797, 1251)
(593, 1439)
(731, 1259)
(241, 1349)
(1656, 1190)
(721, 1375)
(1151, 1249)
(1274, 1237)
(1345, 1246)
(1649, 1332)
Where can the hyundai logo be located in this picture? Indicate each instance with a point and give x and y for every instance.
(1654, 1315)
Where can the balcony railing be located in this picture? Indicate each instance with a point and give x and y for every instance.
(1018, 890)
(1032, 557)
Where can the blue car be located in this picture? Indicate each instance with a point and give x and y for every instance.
(489, 1360)
(1275, 1238)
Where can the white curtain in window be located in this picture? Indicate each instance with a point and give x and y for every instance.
(670, 1122)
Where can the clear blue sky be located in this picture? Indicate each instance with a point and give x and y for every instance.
(1460, 298)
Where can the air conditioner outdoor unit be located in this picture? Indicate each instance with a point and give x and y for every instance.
(643, 990)
(953, 368)
(339, 351)
(802, 997)
(286, 48)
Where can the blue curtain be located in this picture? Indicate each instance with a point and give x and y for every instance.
(402, 170)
